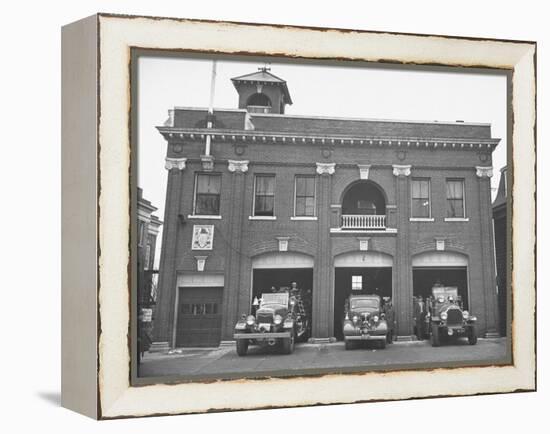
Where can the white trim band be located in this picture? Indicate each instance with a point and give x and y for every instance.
(303, 218)
(204, 217)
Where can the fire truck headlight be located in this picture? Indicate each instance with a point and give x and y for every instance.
(355, 319)
(278, 319)
(375, 318)
(465, 314)
(443, 316)
(250, 320)
(441, 299)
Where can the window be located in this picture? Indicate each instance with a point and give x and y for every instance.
(366, 207)
(199, 309)
(264, 195)
(259, 99)
(259, 103)
(141, 233)
(455, 198)
(147, 261)
(356, 283)
(420, 193)
(207, 194)
(304, 204)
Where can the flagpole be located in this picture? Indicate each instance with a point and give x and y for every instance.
(211, 106)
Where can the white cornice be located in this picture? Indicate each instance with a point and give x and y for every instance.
(260, 137)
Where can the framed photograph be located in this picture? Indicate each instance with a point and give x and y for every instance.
(263, 216)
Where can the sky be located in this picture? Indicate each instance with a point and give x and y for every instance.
(316, 89)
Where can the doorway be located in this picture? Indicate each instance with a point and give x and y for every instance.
(358, 280)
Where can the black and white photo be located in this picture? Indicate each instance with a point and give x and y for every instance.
(304, 218)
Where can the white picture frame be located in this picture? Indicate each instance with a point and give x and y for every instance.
(96, 222)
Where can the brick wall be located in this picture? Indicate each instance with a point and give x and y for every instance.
(285, 161)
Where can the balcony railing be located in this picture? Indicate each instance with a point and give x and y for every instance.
(258, 109)
(363, 222)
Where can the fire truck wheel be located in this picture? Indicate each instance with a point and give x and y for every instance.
(434, 338)
(288, 344)
(242, 347)
(472, 335)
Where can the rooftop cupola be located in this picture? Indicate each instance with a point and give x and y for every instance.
(262, 92)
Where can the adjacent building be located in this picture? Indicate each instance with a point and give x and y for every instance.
(147, 232)
(257, 198)
(500, 212)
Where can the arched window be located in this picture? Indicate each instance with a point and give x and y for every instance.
(259, 103)
(364, 198)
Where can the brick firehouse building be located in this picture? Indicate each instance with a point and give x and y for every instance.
(257, 198)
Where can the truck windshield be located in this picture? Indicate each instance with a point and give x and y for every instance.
(277, 298)
(364, 302)
(445, 291)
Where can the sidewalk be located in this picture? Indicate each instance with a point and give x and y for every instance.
(224, 360)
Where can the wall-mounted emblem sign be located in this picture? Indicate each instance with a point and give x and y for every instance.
(203, 237)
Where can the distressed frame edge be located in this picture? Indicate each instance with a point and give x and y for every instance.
(530, 383)
(79, 218)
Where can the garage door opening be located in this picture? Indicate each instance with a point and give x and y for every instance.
(424, 278)
(199, 317)
(281, 278)
(358, 280)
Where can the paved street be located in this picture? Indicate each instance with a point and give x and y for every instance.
(211, 362)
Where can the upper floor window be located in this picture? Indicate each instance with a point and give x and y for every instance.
(455, 198)
(420, 196)
(141, 233)
(207, 194)
(264, 195)
(357, 283)
(304, 203)
(147, 261)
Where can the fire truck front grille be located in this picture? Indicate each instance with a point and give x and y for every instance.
(263, 318)
(454, 317)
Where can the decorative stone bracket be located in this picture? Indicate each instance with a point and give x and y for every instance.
(401, 170)
(364, 171)
(207, 162)
(201, 262)
(364, 243)
(236, 166)
(325, 168)
(283, 243)
(175, 163)
(484, 171)
(439, 244)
